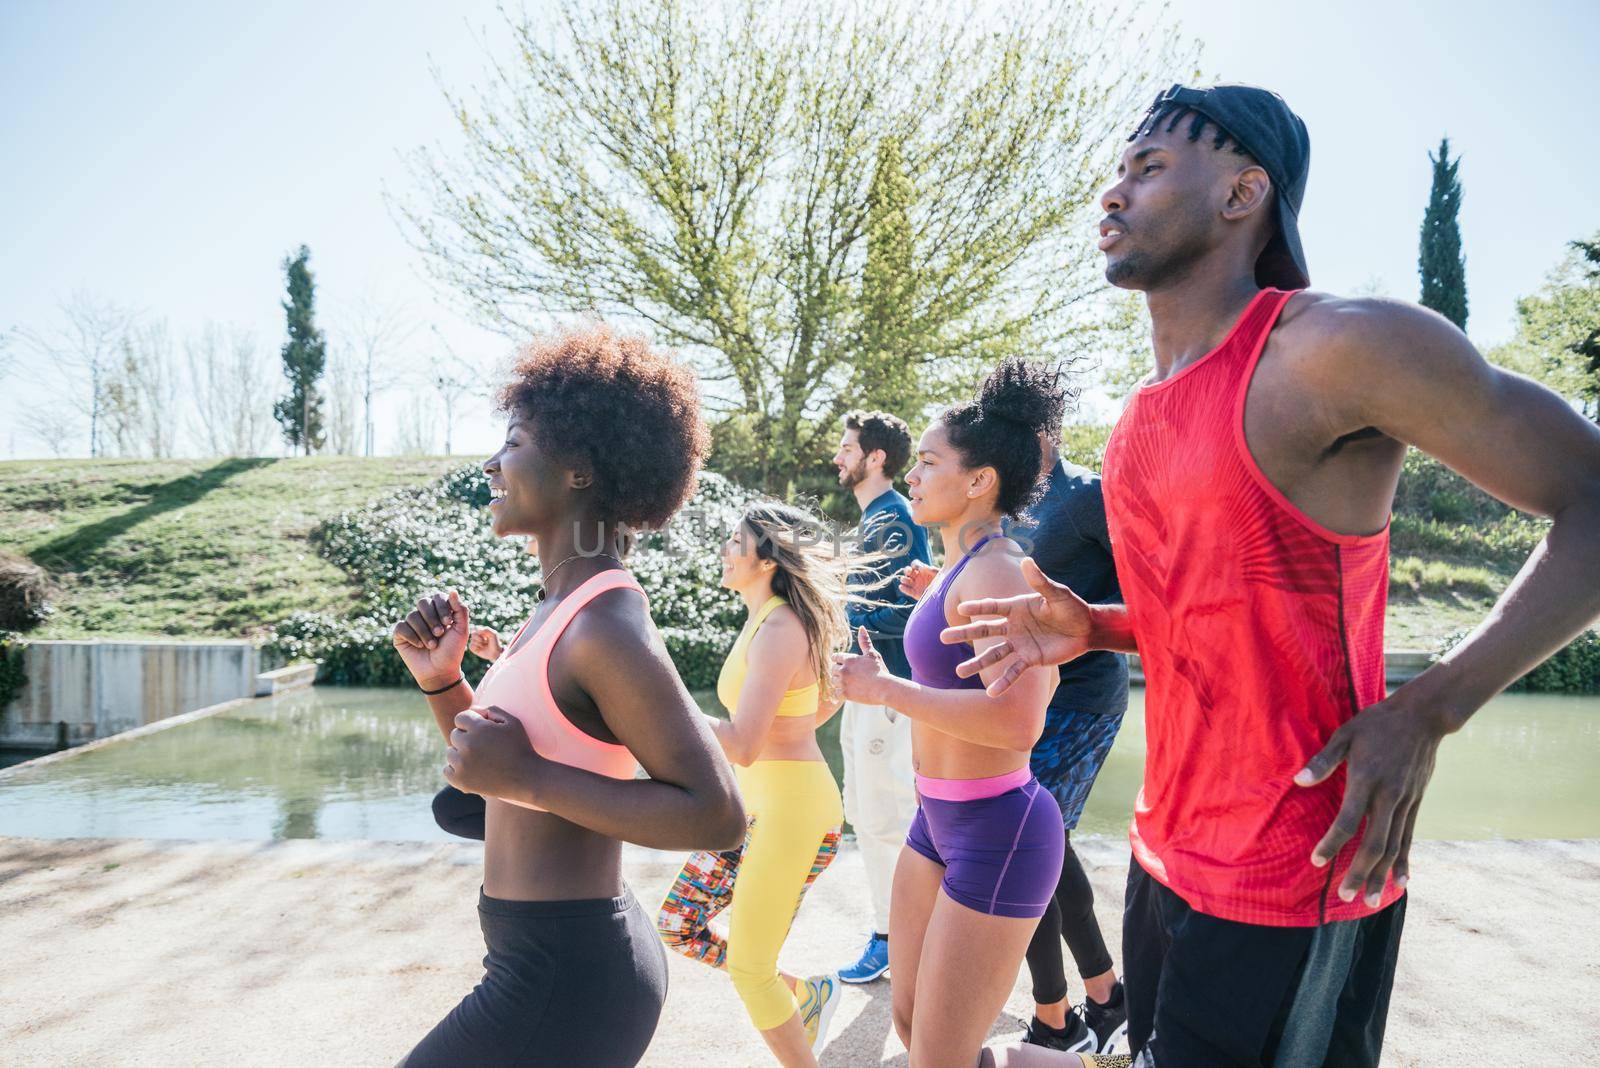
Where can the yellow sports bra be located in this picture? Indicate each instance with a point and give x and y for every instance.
(801, 702)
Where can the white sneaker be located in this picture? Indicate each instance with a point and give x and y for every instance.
(822, 998)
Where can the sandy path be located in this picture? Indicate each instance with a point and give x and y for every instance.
(339, 953)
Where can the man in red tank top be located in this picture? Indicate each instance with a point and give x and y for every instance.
(1248, 487)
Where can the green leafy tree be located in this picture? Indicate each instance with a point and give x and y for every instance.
(856, 204)
(305, 356)
(1558, 329)
(1440, 261)
(1124, 359)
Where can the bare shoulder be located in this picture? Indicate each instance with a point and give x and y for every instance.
(996, 571)
(614, 627)
(1363, 340)
(781, 637)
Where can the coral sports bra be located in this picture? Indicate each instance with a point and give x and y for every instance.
(519, 684)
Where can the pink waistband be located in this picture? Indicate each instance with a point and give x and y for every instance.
(972, 789)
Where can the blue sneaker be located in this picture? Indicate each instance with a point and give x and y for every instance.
(873, 963)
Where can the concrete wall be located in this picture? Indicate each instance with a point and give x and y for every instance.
(98, 688)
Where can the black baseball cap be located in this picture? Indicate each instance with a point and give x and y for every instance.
(1262, 124)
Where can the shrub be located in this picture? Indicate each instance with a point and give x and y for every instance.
(26, 593)
(437, 537)
(1430, 490)
(1507, 540)
(12, 676)
(1575, 668)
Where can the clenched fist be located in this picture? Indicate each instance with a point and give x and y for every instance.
(433, 639)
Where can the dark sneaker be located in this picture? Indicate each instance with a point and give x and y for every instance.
(1108, 1023)
(1073, 1038)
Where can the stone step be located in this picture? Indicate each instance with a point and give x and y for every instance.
(292, 677)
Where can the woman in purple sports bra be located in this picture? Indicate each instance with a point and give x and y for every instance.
(604, 436)
(984, 852)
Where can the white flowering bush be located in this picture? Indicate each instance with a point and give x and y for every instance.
(436, 537)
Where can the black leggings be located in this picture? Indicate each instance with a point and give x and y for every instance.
(459, 813)
(1070, 915)
(565, 983)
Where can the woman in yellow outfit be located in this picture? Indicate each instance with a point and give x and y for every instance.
(773, 683)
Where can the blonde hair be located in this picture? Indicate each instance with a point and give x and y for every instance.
(813, 574)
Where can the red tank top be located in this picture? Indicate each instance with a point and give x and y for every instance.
(1260, 632)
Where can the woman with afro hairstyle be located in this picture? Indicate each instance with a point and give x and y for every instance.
(604, 435)
(984, 852)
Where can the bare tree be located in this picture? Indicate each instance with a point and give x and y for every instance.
(342, 392)
(140, 401)
(375, 330)
(8, 359)
(51, 425)
(413, 432)
(231, 385)
(83, 349)
(451, 384)
(452, 378)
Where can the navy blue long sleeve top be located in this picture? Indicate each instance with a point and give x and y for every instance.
(887, 527)
(1065, 533)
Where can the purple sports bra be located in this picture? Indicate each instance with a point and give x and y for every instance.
(933, 663)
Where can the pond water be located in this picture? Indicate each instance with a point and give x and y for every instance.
(350, 763)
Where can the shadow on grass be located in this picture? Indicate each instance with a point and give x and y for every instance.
(75, 547)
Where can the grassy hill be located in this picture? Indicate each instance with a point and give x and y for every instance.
(219, 547)
(187, 548)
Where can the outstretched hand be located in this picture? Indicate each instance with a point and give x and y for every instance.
(1050, 626)
(1388, 751)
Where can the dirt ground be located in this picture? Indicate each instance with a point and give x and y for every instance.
(344, 953)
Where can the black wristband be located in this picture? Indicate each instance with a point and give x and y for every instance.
(435, 693)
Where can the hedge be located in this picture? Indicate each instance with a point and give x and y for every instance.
(1572, 669)
(437, 537)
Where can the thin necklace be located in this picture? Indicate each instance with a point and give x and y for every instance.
(548, 575)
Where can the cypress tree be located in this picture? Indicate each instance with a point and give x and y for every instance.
(885, 368)
(1440, 261)
(305, 355)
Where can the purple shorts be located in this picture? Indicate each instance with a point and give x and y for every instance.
(1001, 855)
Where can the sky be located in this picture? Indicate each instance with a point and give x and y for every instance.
(168, 155)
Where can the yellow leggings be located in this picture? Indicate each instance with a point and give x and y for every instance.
(794, 834)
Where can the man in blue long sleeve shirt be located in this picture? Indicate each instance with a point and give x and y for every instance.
(879, 791)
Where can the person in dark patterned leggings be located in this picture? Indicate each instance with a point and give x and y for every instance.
(1066, 535)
